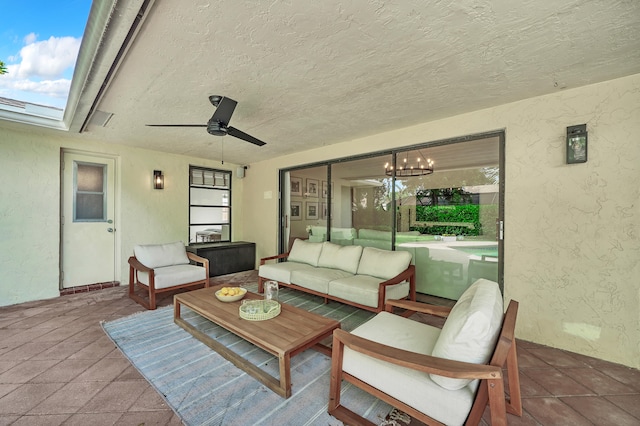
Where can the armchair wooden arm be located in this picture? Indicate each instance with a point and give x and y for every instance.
(134, 264)
(199, 259)
(415, 361)
(413, 306)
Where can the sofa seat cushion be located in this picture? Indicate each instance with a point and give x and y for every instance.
(383, 263)
(159, 255)
(281, 271)
(417, 389)
(305, 252)
(471, 330)
(316, 279)
(345, 258)
(363, 289)
(170, 276)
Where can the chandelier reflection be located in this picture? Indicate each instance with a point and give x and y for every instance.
(421, 166)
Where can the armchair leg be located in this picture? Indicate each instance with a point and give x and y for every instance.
(514, 405)
(497, 403)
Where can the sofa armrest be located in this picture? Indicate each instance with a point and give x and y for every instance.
(408, 274)
(280, 256)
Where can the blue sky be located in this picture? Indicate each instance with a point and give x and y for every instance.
(39, 43)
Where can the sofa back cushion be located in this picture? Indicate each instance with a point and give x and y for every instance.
(383, 264)
(471, 330)
(305, 252)
(345, 258)
(159, 255)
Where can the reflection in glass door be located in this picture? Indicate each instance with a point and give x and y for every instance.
(447, 218)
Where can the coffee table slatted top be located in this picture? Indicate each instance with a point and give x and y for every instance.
(285, 335)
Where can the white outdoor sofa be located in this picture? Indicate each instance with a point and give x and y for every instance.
(364, 277)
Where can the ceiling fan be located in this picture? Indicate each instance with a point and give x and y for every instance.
(218, 124)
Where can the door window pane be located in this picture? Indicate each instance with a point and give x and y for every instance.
(89, 193)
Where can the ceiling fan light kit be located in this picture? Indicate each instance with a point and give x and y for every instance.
(218, 124)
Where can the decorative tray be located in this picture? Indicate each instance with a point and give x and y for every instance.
(259, 310)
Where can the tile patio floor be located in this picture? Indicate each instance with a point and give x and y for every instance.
(58, 367)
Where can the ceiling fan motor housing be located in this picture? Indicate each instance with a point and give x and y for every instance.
(216, 128)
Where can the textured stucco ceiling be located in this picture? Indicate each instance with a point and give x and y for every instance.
(314, 73)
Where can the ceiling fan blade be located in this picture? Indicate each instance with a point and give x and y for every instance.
(242, 135)
(177, 125)
(224, 111)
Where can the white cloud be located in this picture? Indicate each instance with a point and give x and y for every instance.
(30, 38)
(54, 88)
(38, 74)
(49, 58)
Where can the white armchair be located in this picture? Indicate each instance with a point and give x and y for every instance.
(438, 376)
(164, 267)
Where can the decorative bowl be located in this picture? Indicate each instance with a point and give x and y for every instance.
(234, 298)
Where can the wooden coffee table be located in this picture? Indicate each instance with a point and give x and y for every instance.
(284, 336)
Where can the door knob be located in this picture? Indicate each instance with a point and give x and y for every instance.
(109, 229)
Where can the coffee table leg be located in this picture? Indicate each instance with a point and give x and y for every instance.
(285, 373)
(176, 309)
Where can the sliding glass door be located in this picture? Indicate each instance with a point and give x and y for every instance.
(440, 201)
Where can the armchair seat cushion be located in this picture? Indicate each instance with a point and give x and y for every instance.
(414, 388)
(170, 276)
(364, 289)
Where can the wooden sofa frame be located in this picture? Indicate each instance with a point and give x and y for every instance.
(491, 389)
(150, 302)
(408, 274)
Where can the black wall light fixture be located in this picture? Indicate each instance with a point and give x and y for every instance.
(577, 144)
(158, 179)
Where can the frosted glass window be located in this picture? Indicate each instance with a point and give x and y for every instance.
(90, 177)
(209, 197)
(203, 215)
(89, 193)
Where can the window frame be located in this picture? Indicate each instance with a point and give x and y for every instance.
(225, 187)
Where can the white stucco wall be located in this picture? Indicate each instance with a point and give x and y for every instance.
(572, 248)
(30, 207)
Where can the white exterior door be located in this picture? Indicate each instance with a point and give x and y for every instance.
(88, 227)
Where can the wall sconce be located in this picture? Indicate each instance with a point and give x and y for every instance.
(158, 179)
(577, 144)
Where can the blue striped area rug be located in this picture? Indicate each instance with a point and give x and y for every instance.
(205, 389)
